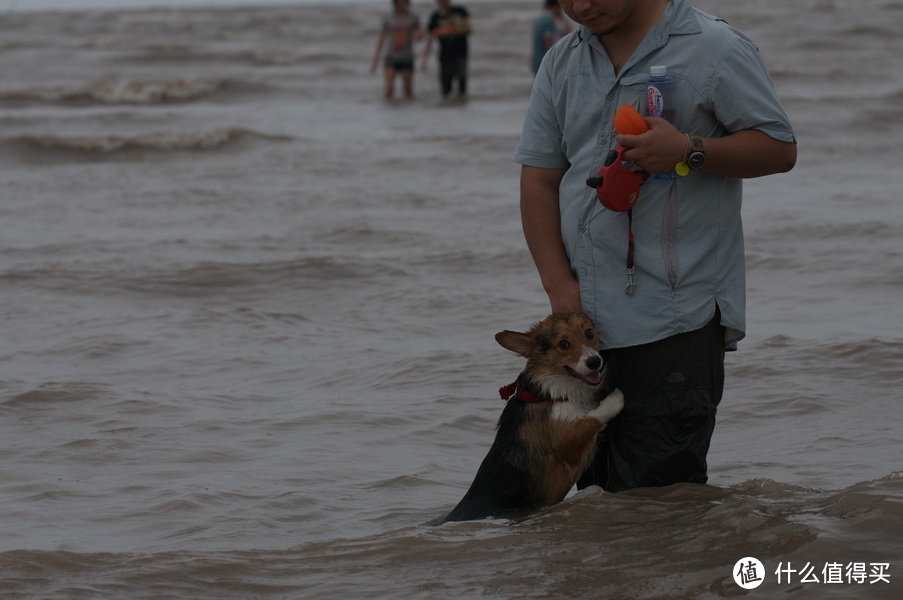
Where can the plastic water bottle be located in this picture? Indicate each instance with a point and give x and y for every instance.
(660, 94)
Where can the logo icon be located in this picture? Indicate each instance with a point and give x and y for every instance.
(749, 573)
(655, 101)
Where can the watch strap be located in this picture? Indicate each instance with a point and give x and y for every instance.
(696, 143)
(696, 156)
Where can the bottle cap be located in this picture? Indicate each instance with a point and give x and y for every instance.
(658, 70)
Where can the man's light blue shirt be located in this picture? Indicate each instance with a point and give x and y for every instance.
(688, 232)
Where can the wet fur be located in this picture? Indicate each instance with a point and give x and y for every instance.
(541, 449)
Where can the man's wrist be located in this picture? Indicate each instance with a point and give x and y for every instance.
(554, 283)
(696, 157)
(681, 167)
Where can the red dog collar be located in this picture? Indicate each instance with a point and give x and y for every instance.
(511, 391)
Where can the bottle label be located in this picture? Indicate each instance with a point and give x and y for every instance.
(655, 103)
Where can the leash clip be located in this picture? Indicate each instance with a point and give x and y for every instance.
(631, 284)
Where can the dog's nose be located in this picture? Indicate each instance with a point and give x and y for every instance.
(594, 362)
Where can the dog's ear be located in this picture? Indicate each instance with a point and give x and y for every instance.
(515, 341)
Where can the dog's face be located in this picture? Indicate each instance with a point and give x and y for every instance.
(563, 348)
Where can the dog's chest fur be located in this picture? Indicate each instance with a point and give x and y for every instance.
(578, 399)
(572, 410)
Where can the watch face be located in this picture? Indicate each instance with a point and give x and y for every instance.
(696, 160)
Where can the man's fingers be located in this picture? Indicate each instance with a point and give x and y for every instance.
(631, 141)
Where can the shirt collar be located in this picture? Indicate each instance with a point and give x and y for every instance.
(679, 18)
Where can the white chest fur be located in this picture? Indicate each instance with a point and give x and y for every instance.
(577, 405)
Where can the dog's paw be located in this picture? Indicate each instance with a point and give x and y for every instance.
(609, 408)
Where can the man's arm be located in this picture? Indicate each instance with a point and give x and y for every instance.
(743, 154)
(463, 25)
(541, 219)
(426, 50)
(378, 51)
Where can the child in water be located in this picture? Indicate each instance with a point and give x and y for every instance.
(402, 28)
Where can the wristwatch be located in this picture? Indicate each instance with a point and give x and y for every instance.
(696, 156)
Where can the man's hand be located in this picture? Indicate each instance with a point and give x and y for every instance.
(657, 150)
(742, 154)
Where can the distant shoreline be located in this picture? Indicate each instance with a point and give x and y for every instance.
(38, 6)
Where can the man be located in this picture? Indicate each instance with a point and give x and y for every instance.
(450, 24)
(548, 28)
(667, 310)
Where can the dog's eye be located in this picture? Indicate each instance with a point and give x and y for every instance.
(564, 345)
(589, 334)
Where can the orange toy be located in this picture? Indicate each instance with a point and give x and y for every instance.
(629, 122)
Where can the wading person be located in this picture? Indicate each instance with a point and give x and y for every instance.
(450, 25)
(549, 27)
(402, 30)
(668, 304)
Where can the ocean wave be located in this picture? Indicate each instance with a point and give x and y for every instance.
(871, 31)
(680, 541)
(207, 278)
(54, 147)
(268, 56)
(850, 359)
(121, 91)
(880, 356)
(826, 231)
(53, 394)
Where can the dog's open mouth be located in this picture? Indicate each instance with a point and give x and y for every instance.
(593, 378)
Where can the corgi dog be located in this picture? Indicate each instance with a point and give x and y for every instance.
(546, 434)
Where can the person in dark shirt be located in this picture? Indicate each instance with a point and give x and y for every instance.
(450, 25)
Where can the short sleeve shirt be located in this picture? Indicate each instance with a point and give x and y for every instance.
(453, 46)
(400, 32)
(689, 253)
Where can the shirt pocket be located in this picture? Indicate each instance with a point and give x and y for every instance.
(632, 90)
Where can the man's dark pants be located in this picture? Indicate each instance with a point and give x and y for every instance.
(672, 388)
(452, 68)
